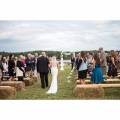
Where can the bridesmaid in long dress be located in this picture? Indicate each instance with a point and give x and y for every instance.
(97, 74)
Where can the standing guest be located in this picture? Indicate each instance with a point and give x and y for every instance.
(1, 68)
(5, 66)
(112, 68)
(82, 72)
(11, 67)
(97, 75)
(28, 66)
(42, 69)
(77, 61)
(35, 72)
(118, 58)
(33, 64)
(20, 69)
(90, 63)
(103, 60)
(72, 61)
(50, 59)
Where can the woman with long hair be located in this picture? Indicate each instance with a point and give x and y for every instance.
(82, 71)
(97, 74)
(11, 67)
(112, 64)
(54, 72)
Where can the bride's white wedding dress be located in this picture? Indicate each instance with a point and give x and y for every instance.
(54, 73)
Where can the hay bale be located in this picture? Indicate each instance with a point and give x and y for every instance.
(89, 91)
(7, 92)
(108, 81)
(19, 85)
(28, 81)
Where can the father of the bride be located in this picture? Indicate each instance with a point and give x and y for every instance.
(43, 69)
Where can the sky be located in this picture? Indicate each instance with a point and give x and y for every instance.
(20, 36)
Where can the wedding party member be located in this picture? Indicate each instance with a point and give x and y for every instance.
(1, 68)
(54, 73)
(20, 69)
(103, 61)
(112, 68)
(72, 61)
(97, 74)
(82, 72)
(43, 69)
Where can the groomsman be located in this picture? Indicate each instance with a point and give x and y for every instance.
(42, 69)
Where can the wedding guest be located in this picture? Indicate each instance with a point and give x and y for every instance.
(43, 69)
(90, 63)
(11, 67)
(97, 75)
(5, 66)
(82, 72)
(112, 68)
(29, 65)
(72, 61)
(77, 61)
(103, 61)
(20, 69)
(1, 69)
(118, 58)
(35, 72)
(32, 64)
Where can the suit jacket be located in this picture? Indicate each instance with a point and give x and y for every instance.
(42, 64)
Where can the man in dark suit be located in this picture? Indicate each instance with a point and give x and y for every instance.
(43, 69)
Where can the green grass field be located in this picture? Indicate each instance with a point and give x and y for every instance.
(65, 90)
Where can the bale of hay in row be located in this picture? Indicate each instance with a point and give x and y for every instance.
(19, 85)
(7, 92)
(89, 91)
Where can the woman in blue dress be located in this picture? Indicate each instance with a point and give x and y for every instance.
(97, 75)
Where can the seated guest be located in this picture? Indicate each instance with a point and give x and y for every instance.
(112, 65)
(20, 69)
(97, 74)
(11, 67)
(82, 72)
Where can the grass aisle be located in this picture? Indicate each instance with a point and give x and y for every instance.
(65, 89)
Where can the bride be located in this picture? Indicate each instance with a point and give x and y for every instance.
(54, 73)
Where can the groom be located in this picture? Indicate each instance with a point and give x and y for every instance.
(43, 69)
